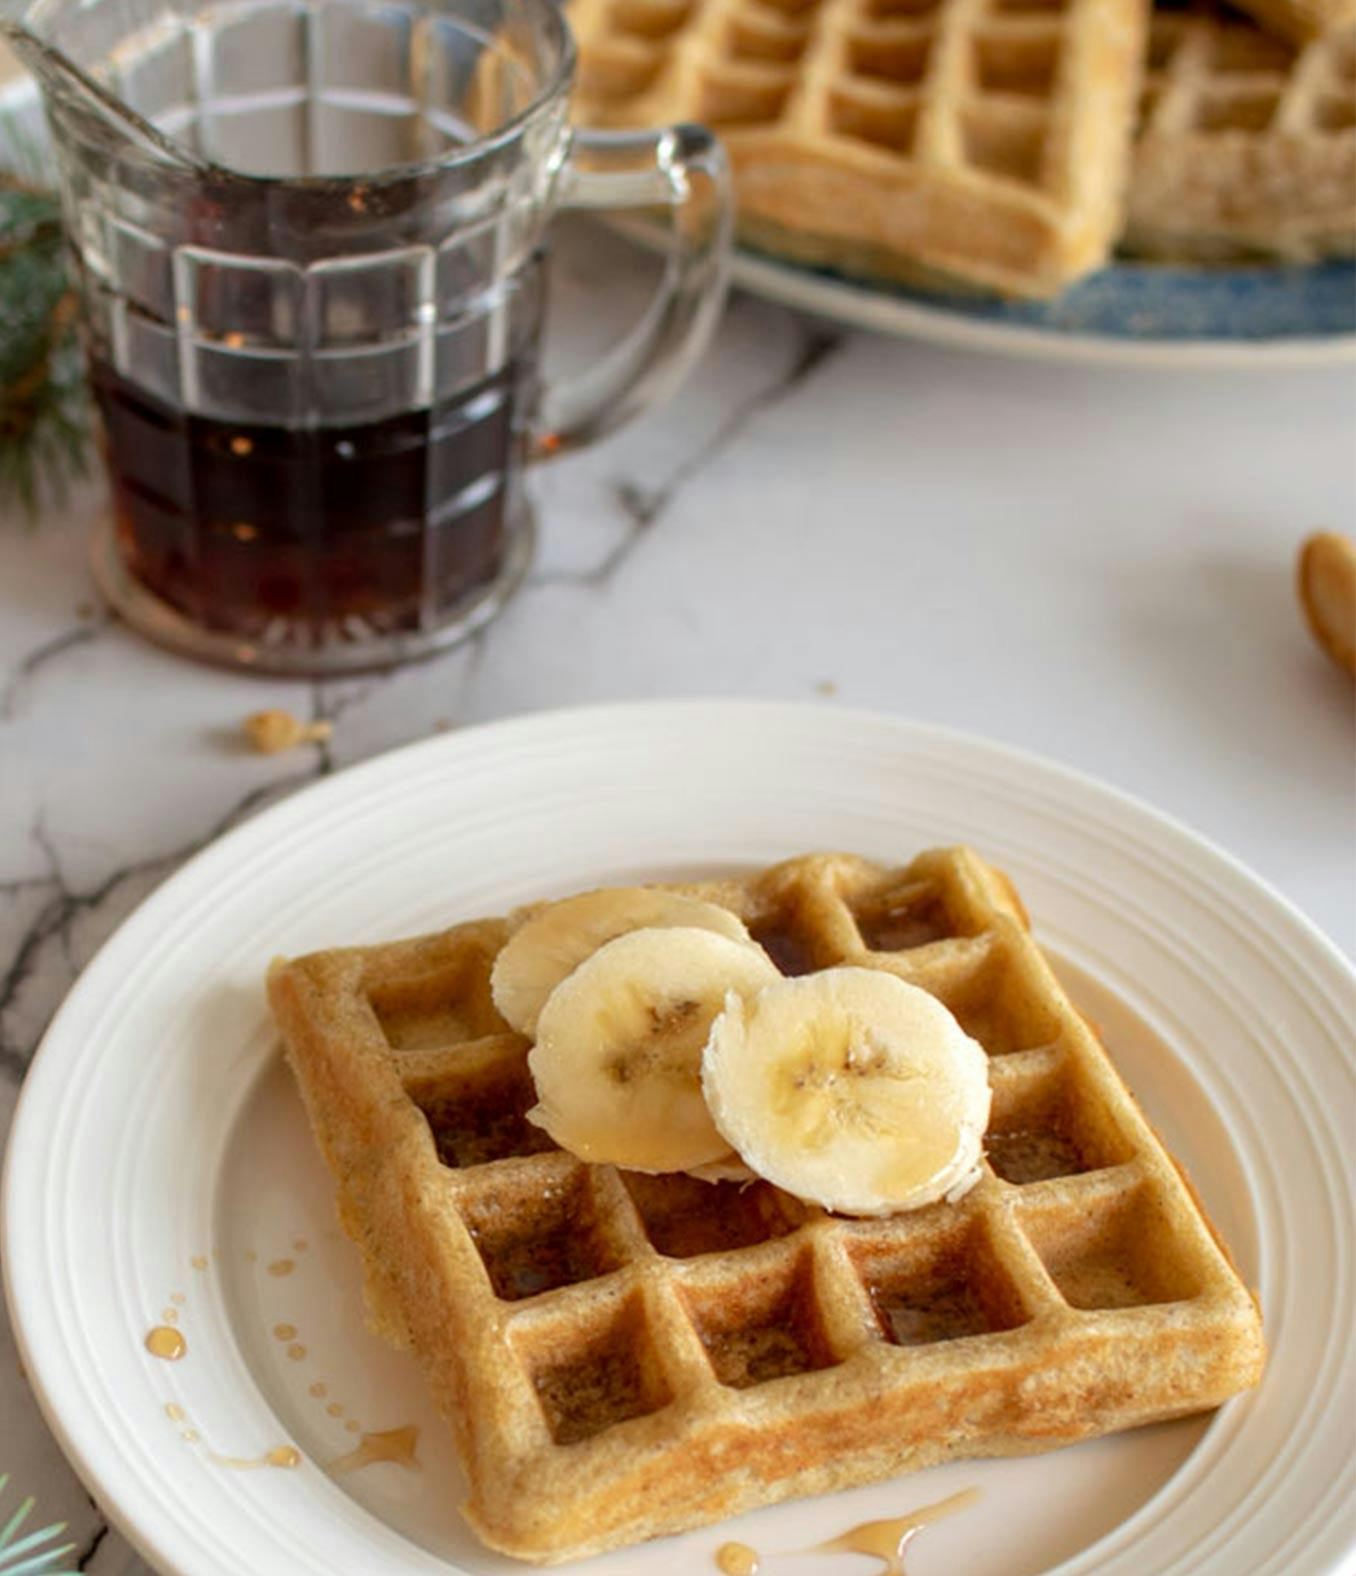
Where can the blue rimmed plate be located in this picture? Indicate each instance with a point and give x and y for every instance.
(1129, 314)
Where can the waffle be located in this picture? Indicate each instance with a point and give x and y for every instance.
(622, 1356)
(1301, 20)
(1247, 144)
(986, 141)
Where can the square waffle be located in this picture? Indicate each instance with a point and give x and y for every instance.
(1247, 144)
(624, 1355)
(985, 140)
(1301, 19)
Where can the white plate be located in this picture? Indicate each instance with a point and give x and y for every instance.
(1170, 317)
(1173, 318)
(158, 1125)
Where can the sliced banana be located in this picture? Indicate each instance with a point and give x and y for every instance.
(556, 941)
(617, 1060)
(851, 1089)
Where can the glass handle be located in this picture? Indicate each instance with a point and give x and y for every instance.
(683, 168)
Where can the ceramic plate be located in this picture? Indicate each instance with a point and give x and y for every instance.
(1127, 314)
(160, 1172)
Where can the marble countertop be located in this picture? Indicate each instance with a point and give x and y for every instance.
(1094, 565)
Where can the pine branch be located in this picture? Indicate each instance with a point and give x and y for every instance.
(44, 407)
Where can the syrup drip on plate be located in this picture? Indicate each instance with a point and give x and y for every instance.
(283, 1456)
(282, 1266)
(164, 1341)
(737, 1559)
(393, 1444)
(888, 1541)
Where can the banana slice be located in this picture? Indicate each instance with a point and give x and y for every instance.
(617, 1062)
(555, 942)
(851, 1089)
(729, 1168)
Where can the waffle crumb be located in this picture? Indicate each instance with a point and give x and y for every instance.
(272, 731)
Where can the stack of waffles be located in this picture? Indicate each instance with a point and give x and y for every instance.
(624, 1355)
(1007, 145)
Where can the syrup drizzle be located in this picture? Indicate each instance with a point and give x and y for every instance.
(392, 1444)
(166, 1342)
(283, 1456)
(888, 1541)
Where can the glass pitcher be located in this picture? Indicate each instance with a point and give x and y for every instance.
(309, 240)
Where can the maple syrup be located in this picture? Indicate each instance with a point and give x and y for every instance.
(284, 1457)
(737, 1559)
(395, 1445)
(164, 1341)
(888, 1541)
(314, 534)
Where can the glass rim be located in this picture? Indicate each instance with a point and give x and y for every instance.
(387, 174)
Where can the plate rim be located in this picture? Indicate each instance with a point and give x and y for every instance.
(858, 305)
(348, 781)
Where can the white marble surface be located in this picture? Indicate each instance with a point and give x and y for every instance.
(1094, 565)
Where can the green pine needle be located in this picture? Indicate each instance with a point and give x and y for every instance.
(27, 1556)
(44, 407)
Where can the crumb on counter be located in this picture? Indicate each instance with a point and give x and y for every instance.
(275, 730)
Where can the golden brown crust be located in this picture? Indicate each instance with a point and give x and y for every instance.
(1301, 20)
(622, 1358)
(1247, 146)
(985, 140)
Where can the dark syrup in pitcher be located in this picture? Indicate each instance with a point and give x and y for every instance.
(312, 536)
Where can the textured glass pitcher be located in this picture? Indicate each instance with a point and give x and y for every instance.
(309, 239)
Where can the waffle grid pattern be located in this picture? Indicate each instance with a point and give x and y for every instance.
(1247, 143)
(984, 138)
(625, 1355)
(1207, 73)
